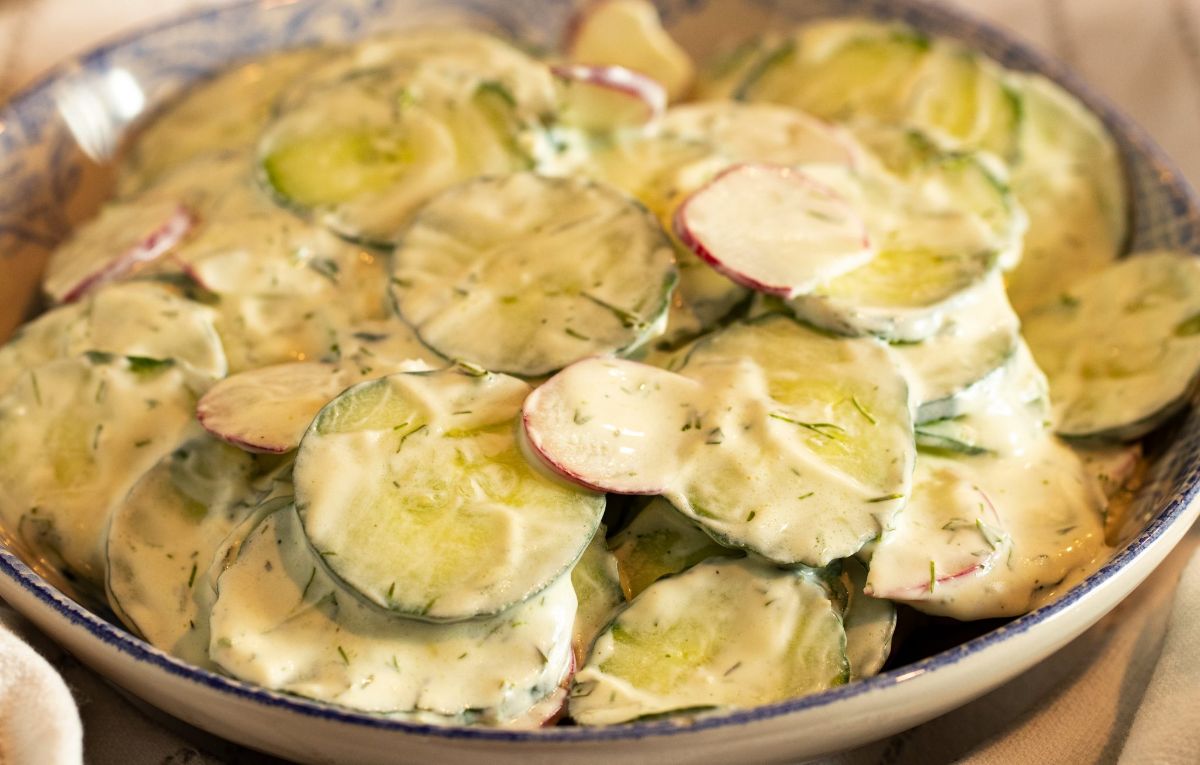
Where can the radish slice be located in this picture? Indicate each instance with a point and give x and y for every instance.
(608, 97)
(586, 429)
(113, 245)
(267, 410)
(629, 33)
(773, 229)
(949, 530)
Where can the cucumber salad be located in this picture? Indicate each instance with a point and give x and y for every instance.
(431, 379)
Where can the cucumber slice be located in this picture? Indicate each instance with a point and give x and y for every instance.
(281, 622)
(1000, 415)
(1071, 182)
(830, 417)
(598, 589)
(396, 122)
(268, 409)
(162, 539)
(724, 634)
(765, 133)
(229, 110)
(659, 171)
(964, 98)
(773, 229)
(870, 624)
(944, 555)
(100, 422)
(842, 68)
(123, 238)
(434, 513)
(525, 274)
(660, 542)
(130, 319)
(722, 73)
(1122, 347)
(838, 427)
(976, 340)
(629, 33)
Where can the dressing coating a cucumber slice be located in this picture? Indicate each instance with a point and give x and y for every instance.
(772, 437)
(229, 110)
(282, 622)
(762, 132)
(1002, 414)
(597, 586)
(162, 538)
(1051, 532)
(978, 336)
(128, 319)
(525, 274)
(773, 229)
(869, 622)
(1122, 347)
(723, 634)
(100, 422)
(413, 491)
(659, 542)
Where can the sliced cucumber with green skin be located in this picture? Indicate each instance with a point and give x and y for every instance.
(724, 634)
(396, 121)
(433, 512)
(773, 229)
(976, 340)
(597, 586)
(945, 556)
(525, 274)
(721, 74)
(282, 622)
(761, 132)
(162, 538)
(841, 69)
(659, 170)
(229, 110)
(1001, 414)
(1122, 347)
(131, 319)
(869, 622)
(964, 97)
(659, 542)
(100, 422)
(838, 441)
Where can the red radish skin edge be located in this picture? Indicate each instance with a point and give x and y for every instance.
(156, 244)
(204, 414)
(679, 224)
(530, 429)
(619, 79)
(915, 591)
(565, 685)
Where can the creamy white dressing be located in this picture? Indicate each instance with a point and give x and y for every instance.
(435, 513)
(280, 621)
(99, 424)
(162, 538)
(723, 634)
(597, 584)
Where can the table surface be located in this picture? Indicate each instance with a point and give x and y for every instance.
(1074, 707)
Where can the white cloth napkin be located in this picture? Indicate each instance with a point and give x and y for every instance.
(39, 724)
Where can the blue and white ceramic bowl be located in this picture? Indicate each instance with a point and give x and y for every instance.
(47, 184)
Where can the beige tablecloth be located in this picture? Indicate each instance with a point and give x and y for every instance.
(1078, 706)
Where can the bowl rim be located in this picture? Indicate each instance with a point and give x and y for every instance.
(945, 20)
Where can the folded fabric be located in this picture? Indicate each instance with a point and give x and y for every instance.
(1166, 729)
(39, 722)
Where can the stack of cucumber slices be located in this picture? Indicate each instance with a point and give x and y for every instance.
(427, 378)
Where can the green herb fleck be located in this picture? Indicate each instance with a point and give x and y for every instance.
(885, 498)
(862, 410)
(345, 658)
(474, 370)
(1188, 327)
(141, 365)
(823, 429)
(412, 432)
(192, 576)
(715, 437)
(932, 575)
(576, 335)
